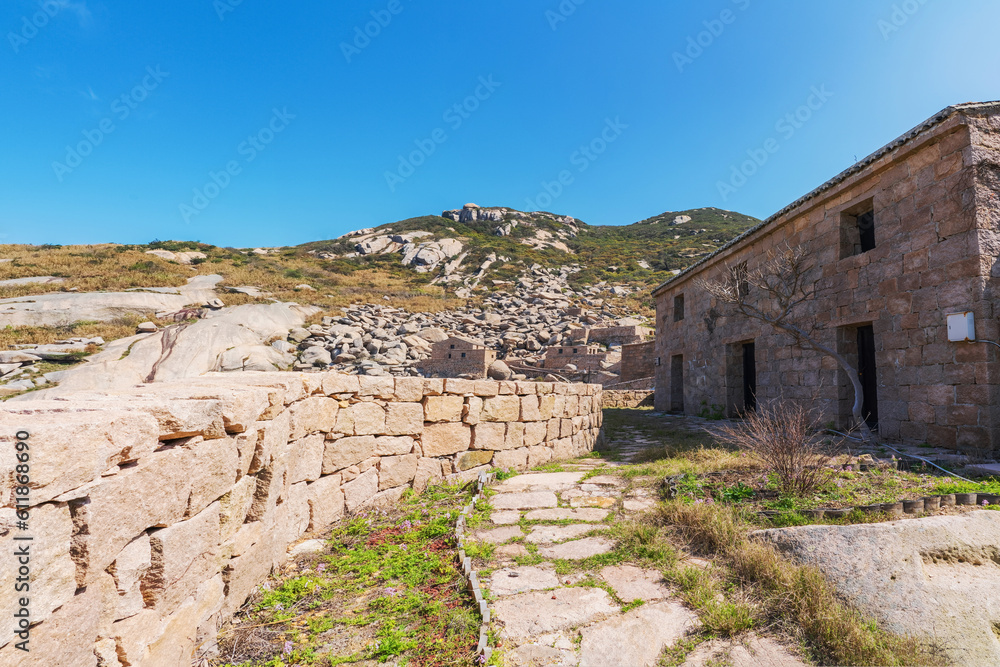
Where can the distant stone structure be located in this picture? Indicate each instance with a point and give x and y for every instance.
(899, 240)
(584, 357)
(638, 361)
(458, 356)
(612, 336)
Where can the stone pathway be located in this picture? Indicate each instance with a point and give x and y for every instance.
(542, 617)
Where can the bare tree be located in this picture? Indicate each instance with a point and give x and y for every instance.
(771, 293)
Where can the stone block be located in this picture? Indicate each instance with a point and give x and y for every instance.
(514, 459)
(501, 409)
(515, 436)
(473, 410)
(183, 555)
(53, 572)
(368, 418)
(274, 437)
(120, 507)
(428, 472)
(546, 406)
(346, 452)
(212, 470)
(305, 458)
(246, 447)
(446, 438)
(382, 387)
(394, 445)
(70, 449)
(459, 386)
(409, 390)
(529, 409)
(473, 459)
(359, 492)
(489, 436)
(339, 383)
(129, 568)
(443, 408)
(313, 415)
(404, 419)
(326, 502)
(234, 507)
(486, 388)
(534, 433)
(179, 639)
(396, 471)
(538, 455)
(294, 514)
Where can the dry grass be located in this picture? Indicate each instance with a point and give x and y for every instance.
(782, 436)
(794, 597)
(109, 331)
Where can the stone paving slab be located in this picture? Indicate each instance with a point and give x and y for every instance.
(498, 535)
(605, 480)
(529, 614)
(525, 500)
(514, 580)
(512, 551)
(634, 583)
(553, 481)
(638, 504)
(549, 534)
(577, 549)
(604, 502)
(635, 639)
(505, 517)
(587, 514)
(750, 652)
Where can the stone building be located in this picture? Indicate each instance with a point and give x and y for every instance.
(584, 357)
(458, 356)
(898, 241)
(611, 336)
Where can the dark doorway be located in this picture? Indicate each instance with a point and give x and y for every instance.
(677, 383)
(866, 373)
(749, 377)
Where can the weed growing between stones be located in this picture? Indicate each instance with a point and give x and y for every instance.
(386, 588)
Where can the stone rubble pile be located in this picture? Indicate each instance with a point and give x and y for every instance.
(539, 312)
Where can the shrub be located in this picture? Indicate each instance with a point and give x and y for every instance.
(782, 436)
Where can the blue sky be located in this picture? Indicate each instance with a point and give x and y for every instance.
(245, 122)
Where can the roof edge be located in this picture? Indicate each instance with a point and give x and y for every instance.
(857, 167)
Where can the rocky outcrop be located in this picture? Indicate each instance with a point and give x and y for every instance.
(179, 257)
(232, 339)
(475, 213)
(156, 511)
(936, 578)
(65, 308)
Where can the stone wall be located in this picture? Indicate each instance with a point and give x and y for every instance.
(936, 200)
(638, 361)
(155, 512)
(633, 398)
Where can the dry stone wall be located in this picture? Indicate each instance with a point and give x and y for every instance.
(155, 512)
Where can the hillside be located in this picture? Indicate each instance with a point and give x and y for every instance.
(477, 247)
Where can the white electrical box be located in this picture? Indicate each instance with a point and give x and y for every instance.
(961, 327)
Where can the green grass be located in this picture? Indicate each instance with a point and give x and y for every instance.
(390, 576)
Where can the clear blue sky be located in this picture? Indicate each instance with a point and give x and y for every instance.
(183, 85)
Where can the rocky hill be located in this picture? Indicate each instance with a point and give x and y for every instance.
(476, 246)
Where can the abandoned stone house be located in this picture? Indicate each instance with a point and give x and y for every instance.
(584, 357)
(903, 238)
(458, 356)
(611, 336)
